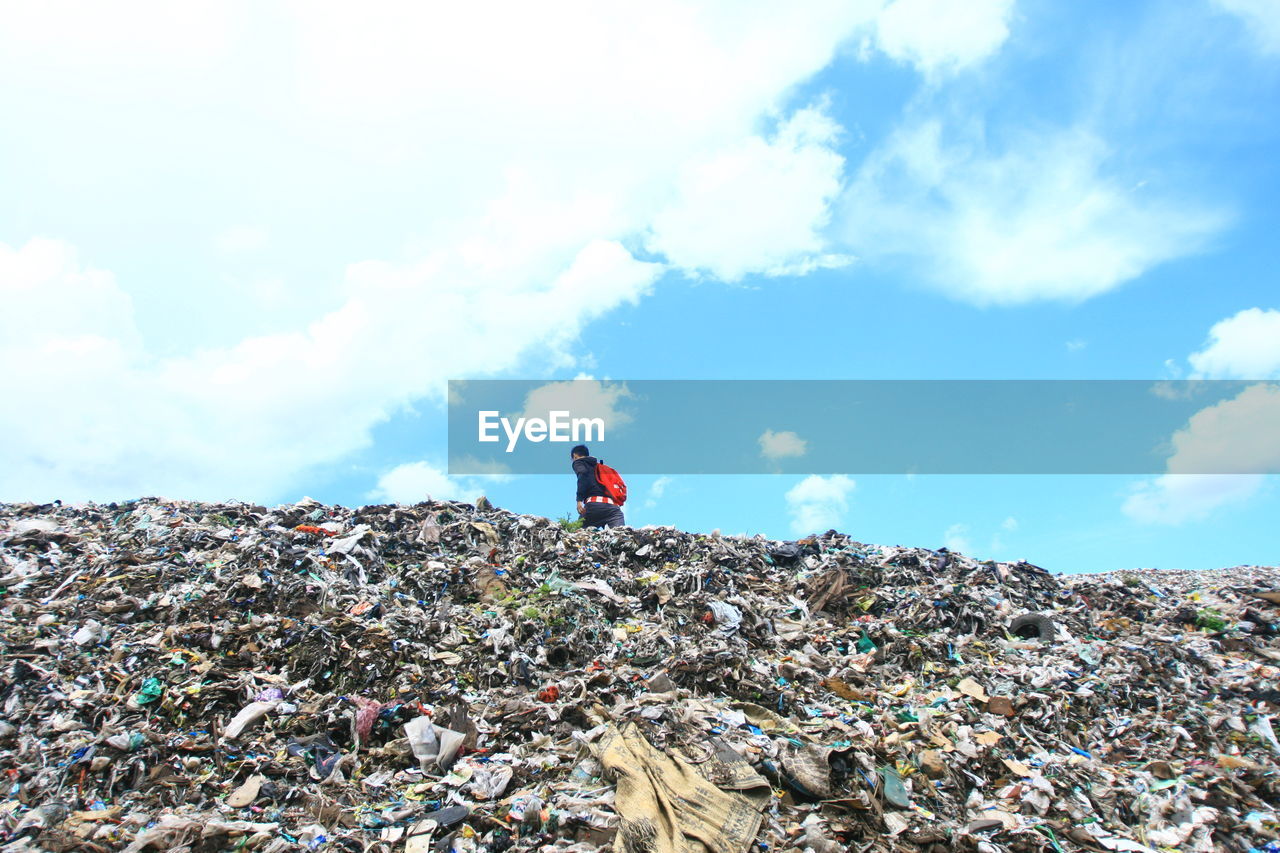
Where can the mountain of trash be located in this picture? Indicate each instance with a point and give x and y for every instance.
(447, 677)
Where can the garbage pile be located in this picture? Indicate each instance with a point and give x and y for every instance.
(449, 677)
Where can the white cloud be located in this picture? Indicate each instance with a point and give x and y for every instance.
(1233, 436)
(1236, 435)
(781, 445)
(819, 503)
(960, 537)
(582, 397)
(1261, 17)
(656, 490)
(757, 207)
(1041, 219)
(956, 538)
(1243, 346)
(1009, 525)
(137, 33)
(51, 301)
(1076, 344)
(1178, 498)
(943, 35)
(241, 238)
(247, 419)
(419, 481)
(533, 152)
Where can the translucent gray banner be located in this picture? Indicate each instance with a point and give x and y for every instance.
(867, 426)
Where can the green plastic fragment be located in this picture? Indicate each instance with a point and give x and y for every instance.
(150, 691)
(1053, 839)
(894, 791)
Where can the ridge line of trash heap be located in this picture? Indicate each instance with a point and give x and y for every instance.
(452, 677)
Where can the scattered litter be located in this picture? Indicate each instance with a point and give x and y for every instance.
(447, 677)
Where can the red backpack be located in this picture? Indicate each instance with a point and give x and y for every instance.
(612, 482)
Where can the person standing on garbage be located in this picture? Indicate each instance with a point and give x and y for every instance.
(595, 506)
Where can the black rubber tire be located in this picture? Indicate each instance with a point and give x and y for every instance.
(1034, 626)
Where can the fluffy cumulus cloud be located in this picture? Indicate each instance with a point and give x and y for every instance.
(781, 445)
(1261, 17)
(582, 397)
(1043, 217)
(759, 206)
(75, 405)
(54, 303)
(819, 503)
(519, 161)
(243, 419)
(1243, 346)
(941, 36)
(420, 481)
(1216, 460)
(1236, 435)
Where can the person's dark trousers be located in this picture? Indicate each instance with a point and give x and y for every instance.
(602, 515)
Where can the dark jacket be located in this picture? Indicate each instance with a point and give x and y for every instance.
(588, 485)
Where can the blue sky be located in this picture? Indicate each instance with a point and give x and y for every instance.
(243, 246)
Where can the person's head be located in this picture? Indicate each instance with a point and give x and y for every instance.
(579, 451)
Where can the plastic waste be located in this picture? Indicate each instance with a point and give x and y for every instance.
(445, 676)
